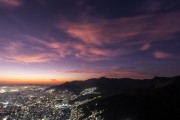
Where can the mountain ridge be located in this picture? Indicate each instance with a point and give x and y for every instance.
(113, 85)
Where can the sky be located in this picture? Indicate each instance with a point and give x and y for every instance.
(54, 41)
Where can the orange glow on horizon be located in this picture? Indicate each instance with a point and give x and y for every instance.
(36, 78)
(28, 81)
(37, 81)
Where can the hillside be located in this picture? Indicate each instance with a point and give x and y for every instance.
(158, 103)
(109, 86)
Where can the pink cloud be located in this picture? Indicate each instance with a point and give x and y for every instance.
(37, 51)
(17, 52)
(62, 49)
(87, 33)
(13, 47)
(124, 30)
(146, 46)
(91, 53)
(163, 55)
(79, 50)
(35, 58)
(11, 3)
(97, 32)
(129, 33)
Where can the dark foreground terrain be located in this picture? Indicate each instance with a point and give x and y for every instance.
(94, 99)
(128, 99)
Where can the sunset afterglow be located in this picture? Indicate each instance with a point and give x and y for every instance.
(57, 41)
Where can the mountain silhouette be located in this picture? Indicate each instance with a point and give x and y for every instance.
(160, 102)
(110, 86)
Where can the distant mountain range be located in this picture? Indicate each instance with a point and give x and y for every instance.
(129, 99)
(110, 86)
(161, 101)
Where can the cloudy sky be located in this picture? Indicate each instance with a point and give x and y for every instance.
(52, 41)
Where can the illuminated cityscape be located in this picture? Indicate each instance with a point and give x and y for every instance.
(89, 59)
(35, 103)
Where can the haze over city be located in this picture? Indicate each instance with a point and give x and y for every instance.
(54, 41)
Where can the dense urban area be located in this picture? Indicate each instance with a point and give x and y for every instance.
(29, 102)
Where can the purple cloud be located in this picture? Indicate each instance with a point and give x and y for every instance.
(163, 55)
(129, 32)
(146, 46)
